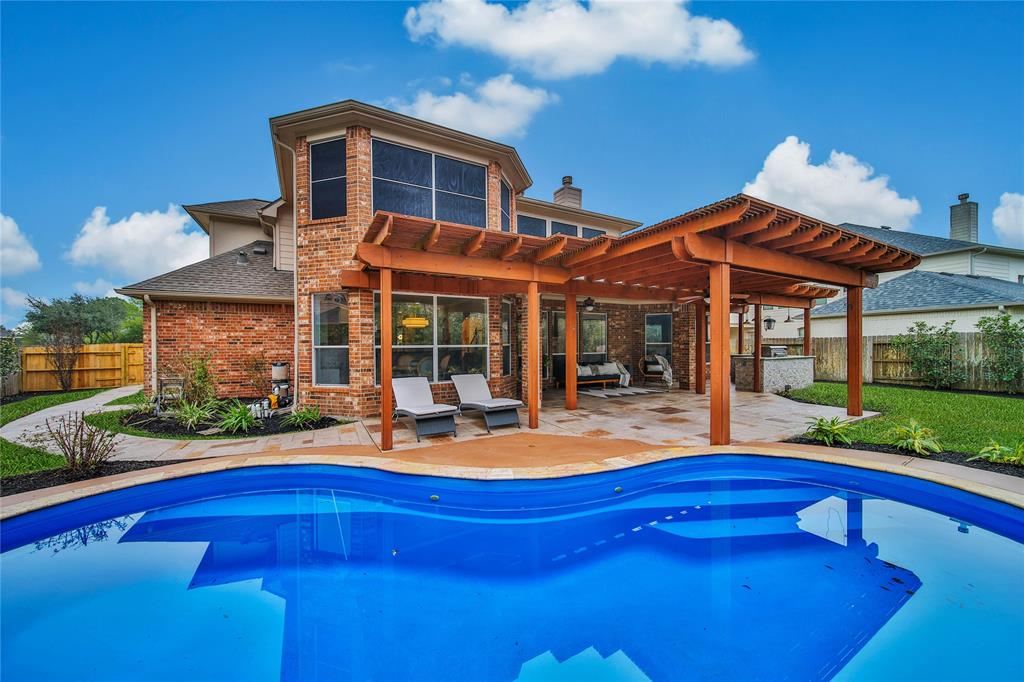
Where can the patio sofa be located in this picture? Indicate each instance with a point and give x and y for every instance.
(585, 373)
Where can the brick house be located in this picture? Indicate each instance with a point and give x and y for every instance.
(298, 278)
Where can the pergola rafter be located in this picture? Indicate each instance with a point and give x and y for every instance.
(737, 252)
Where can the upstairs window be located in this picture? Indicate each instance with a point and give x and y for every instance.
(590, 232)
(418, 183)
(327, 186)
(527, 224)
(506, 207)
(564, 228)
(543, 227)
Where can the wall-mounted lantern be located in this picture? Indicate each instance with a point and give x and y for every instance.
(769, 324)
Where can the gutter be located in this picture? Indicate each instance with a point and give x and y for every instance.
(152, 340)
(976, 253)
(147, 294)
(901, 311)
(295, 273)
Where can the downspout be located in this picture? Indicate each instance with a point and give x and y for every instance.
(976, 253)
(295, 275)
(152, 340)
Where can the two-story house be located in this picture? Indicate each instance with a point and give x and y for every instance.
(379, 207)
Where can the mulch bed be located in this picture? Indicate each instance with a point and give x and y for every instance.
(170, 427)
(36, 480)
(945, 456)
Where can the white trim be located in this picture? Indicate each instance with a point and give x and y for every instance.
(548, 225)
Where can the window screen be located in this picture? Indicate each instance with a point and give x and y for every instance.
(327, 186)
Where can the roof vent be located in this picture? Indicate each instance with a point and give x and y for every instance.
(886, 227)
(260, 251)
(242, 259)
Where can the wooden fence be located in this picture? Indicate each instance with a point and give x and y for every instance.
(101, 365)
(884, 364)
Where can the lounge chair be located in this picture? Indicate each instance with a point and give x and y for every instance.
(414, 400)
(474, 394)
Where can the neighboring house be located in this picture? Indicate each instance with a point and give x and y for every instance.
(959, 254)
(919, 295)
(291, 279)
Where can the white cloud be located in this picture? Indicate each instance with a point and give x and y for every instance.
(16, 253)
(564, 38)
(842, 189)
(1008, 219)
(139, 246)
(13, 304)
(98, 287)
(497, 108)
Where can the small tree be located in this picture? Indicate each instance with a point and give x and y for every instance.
(1002, 339)
(198, 382)
(257, 372)
(934, 353)
(63, 324)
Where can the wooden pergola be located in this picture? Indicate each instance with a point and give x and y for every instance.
(739, 251)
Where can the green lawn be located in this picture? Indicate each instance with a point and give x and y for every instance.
(136, 398)
(20, 459)
(19, 409)
(962, 422)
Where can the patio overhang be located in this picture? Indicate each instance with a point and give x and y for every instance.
(739, 250)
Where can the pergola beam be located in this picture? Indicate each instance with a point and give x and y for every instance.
(818, 244)
(588, 252)
(473, 244)
(411, 260)
(511, 249)
(555, 246)
(749, 225)
(777, 232)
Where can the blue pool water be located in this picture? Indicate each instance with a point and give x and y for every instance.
(712, 568)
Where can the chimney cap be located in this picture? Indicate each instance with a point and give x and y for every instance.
(963, 197)
(567, 180)
(242, 258)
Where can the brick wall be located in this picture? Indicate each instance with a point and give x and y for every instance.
(230, 333)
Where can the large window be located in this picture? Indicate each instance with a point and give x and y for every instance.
(435, 336)
(506, 207)
(543, 227)
(658, 334)
(327, 179)
(419, 183)
(593, 337)
(506, 338)
(330, 339)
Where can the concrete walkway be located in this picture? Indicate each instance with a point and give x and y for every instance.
(31, 430)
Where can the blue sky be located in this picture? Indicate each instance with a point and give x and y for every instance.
(141, 107)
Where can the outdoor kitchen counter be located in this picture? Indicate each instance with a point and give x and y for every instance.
(792, 371)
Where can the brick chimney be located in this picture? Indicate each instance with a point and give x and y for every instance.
(567, 195)
(963, 219)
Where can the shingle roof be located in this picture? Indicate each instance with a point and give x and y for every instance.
(222, 275)
(923, 289)
(923, 244)
(243, 208)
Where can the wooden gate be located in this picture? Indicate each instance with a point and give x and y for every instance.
(101, 365)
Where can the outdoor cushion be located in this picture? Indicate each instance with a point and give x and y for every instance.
(412, 395)
(608, 368)
(430, 410)
(583, 371)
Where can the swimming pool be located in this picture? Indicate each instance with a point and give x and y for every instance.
(715, 567)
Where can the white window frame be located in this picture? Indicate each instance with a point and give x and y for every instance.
(501, 341)
(313, 311)
(671, 326)
(336, 177)
(434, 380)
(433, 177)
(548, 221)
(511, 222)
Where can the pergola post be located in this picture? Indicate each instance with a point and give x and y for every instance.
(739, 334)
(386, 397)
(854, 351)
(570, 351)
(758, 374)
(533, 353)
(700, 359)
(720, 356)
(807, 331)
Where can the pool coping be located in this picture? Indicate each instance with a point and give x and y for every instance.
(1001, 487)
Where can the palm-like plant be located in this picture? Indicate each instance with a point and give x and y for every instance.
(829, 431)
(915, 438)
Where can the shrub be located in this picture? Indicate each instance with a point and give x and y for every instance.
(257, 372)
(83, 446)
(828, 431)
(236, 416)
(192, 415)
(1002, 339)
(1001, 454)
(934, 353)
(10, 356)
(195, 370)
(915, 438)
(303, 417)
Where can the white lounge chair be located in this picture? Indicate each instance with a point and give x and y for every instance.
(474, 394)
(413, 399)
